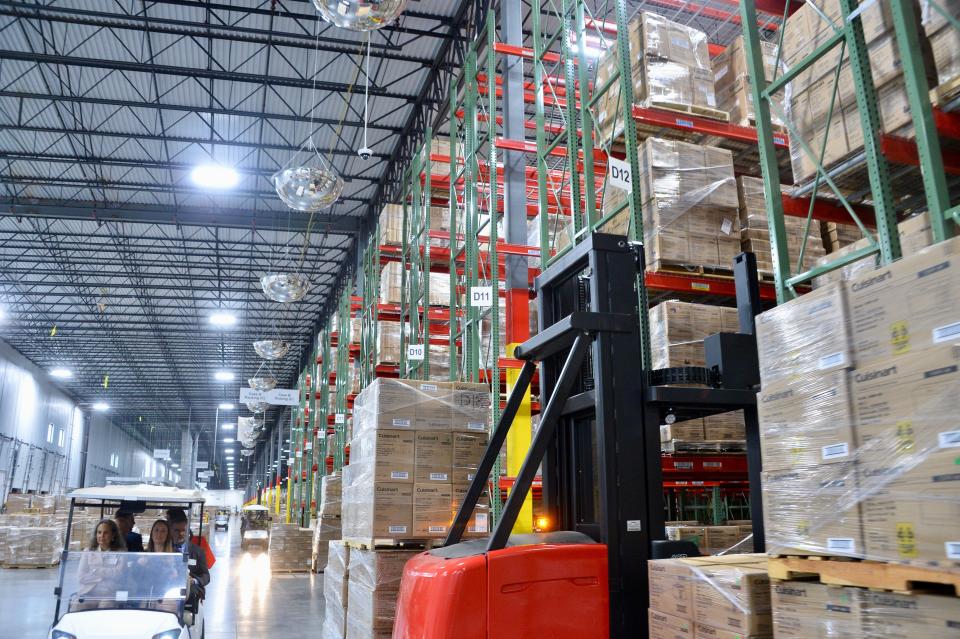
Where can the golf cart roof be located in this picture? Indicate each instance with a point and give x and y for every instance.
(140, 492)
(255, 507)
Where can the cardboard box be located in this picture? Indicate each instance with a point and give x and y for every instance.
(677, 331)
(433, 456)
(468, 450)
(906, 306)
(378, 569)
(389, 454)
(695, 534)
(672, 580)
(724, 426)
(806, 336)
(377, 509)
(813, 511)
(432, 514)
(807, 421)
(665, 626)
(470, 409)
(688, 431)
(722, 538)
(908, 616)
(479, 523)
(804, 609)
(703, 631)
(733, 597)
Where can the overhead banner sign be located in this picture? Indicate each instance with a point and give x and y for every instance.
(277, 396)
(161, 453)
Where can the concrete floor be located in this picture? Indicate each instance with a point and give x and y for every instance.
(244, 599)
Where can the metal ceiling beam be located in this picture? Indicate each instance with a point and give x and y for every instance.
(144, 214)
(174, 138)
(184, 72)
(203, 110)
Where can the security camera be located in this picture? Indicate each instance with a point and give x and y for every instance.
(365, 153)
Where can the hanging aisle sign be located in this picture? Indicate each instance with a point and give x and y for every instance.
(415, 352)
(481, 296)
(277, 396)
(618, 174)
(202, 465)
(161, 453)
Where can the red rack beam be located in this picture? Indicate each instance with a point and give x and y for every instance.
(685, 122)
(680, 283)
(903, 151)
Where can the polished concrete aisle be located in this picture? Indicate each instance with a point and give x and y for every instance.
(244, 599)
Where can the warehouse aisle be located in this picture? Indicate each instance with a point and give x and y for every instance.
(244, 600)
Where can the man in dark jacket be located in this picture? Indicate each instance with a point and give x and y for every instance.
(126, 522)
(199, 572)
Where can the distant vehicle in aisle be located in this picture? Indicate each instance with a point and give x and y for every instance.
(255, 527)
(222, 521)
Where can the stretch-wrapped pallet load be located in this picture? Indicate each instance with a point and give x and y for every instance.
(327, 529)
(755, 232)
(31, 546)
(291, 548)
(915, 235)
(690, 206)
(804, 609)
(388, 342)
(731, 81)
(335, 580)
(712, 540)
(858, 411)
(677, 331)
(810, 94)
(945, 43)
(724, 597)
(415, 444)
(372, 591)
(18, 503)
(669, 67)
(391, 285)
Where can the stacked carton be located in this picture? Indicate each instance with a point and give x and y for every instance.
(690, 207)
(731, 80)
(327, 527)
(755, 233)
(803, 609)
(372, 590)
(858, 415)
(415, 445)
(335, 576)
(809, 94)
(677, 331)
(945, 43)
(291, 547)
(391, 285)
(27, 546)
(712, 540)
(670, 67)
(723, 597)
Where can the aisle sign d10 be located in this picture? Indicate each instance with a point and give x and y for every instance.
(202, 465)
(618, 174)
(161, 453)
(481, 296)
(415, 352)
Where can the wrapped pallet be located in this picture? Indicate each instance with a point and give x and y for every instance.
(755, 232)
(677, 331)
(403, 461)
(731, 80)
(388, 342)
(670, 67)
(331, 495)
(291, 548)
(710, 597)
(809, 95)
(945, 43)
(325, 530)
(18, 503)
(32, 546)
(690, 207)
(858, 415)
(373, 588)
(335, 582)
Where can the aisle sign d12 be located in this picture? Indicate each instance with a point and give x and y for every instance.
(161, 453)
(618, 174)
(415, 352)
(481, 296)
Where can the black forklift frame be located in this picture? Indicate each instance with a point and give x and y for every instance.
(599, 434)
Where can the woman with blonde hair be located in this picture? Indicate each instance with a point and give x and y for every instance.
(160, 539)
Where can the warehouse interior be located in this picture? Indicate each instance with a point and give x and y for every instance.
(473, 319)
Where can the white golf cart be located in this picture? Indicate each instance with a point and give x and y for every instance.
(124, 594)
(255, 527)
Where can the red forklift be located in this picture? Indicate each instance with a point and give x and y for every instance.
(599, 446)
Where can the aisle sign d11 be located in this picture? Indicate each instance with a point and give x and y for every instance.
(161, 453)
(618, 174)
(202, 465)
(481, 296)
(415, 352)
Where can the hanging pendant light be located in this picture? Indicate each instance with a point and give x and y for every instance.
(307, 188)
(285, 287)
(271, 349)
(360, 15)
(262, 383)
(257, 407)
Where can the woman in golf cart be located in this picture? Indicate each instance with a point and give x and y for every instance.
(100, 574)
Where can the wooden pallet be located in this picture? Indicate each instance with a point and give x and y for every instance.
(712, 446)
(392, 544)
(689, 109)
(29, 566)
(865, 574)
(289, 570)
(945, 93)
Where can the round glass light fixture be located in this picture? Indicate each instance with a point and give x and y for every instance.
(262, 383)
(246, 452)
(360, 15)
(306, 188)
(271, 348)
(61, 373)
(285, 287)
(215, 176)
(257, 407)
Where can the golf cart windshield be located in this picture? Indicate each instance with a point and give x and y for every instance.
(123, 580)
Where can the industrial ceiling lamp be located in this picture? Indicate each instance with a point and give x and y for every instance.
(308, 188)
(285, 287)
(271, 349)
(257, 407)
(360, 15)
(264, 383)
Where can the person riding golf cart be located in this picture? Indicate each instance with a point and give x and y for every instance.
(105, 592)
(222, 520)
(255, 527)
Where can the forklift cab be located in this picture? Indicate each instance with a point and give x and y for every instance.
(599, 445)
